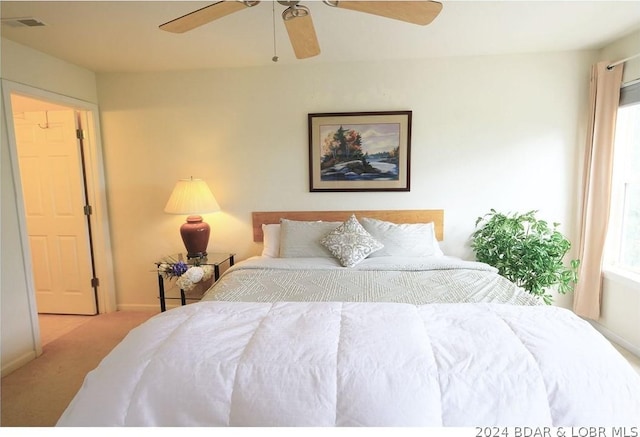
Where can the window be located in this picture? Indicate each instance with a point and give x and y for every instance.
(624, 233)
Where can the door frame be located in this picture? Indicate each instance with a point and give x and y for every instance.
(96, 193)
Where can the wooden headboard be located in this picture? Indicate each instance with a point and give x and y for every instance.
(395, 216)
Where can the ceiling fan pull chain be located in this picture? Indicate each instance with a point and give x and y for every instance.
(273, 16)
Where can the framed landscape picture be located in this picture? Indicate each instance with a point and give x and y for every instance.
(359, 151)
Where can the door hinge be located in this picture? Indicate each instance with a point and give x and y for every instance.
(95, 282)
(80, 134)
(88, 210)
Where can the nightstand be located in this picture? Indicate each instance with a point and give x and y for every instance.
(215, 260)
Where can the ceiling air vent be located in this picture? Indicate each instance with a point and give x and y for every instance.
(22, 22)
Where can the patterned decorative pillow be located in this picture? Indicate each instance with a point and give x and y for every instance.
(350, 243)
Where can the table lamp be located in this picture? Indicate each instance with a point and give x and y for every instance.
(193, 196)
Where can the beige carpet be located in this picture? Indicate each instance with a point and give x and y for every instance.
(38, 393)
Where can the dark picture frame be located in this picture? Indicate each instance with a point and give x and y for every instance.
(360, 151)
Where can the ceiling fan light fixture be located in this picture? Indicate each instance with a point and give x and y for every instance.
(295, 11)
(298, 22)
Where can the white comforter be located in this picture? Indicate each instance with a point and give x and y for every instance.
(368, 364)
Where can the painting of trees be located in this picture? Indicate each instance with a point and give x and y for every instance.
(364, 151)
(340, 146)
(347, 155)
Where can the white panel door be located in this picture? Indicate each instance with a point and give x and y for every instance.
(53, 190)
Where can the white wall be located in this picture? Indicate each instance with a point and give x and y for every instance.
(17, 336)
(23, 65)
(502, 132)
(30, 67)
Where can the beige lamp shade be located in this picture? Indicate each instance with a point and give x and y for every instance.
(193, 196)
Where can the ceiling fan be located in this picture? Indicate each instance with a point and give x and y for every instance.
(297, 18)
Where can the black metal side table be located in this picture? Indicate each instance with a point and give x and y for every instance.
(216, 260)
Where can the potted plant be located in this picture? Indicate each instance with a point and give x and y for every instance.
(526, 251)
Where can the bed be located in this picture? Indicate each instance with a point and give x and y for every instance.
(357, 318)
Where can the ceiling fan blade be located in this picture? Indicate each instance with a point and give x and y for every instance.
(417, 12)
(303, 37)
(204, 15)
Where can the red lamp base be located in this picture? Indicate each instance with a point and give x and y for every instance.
(195, 236)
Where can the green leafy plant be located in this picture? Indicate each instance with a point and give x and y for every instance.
(525, 250)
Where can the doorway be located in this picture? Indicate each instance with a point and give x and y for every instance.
(94, 190)
(52, 174)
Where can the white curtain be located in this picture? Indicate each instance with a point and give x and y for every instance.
(604, 98)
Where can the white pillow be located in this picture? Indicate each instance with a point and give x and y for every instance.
(407, 239)
(301, 239)
(350, 243)
(271, 240)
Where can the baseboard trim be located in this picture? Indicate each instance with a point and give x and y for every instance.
(611, 336)
(144, 307)
(17, 363)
